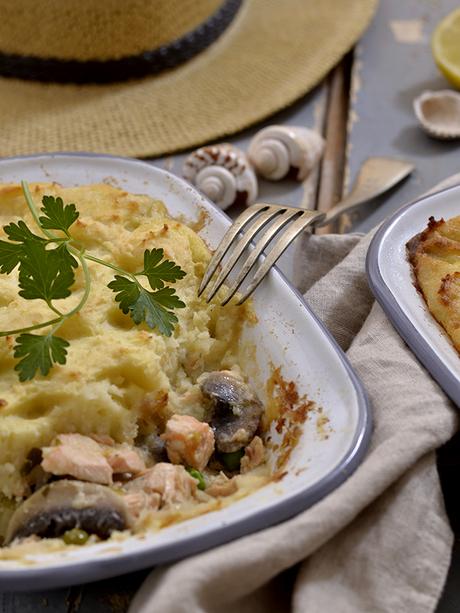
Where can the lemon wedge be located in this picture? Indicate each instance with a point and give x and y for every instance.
(445, 45)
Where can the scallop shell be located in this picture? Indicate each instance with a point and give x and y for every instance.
(439, 113)
(277, 152)
(223, 173)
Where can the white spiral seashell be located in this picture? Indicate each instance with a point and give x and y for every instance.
(277, 152)
(223, 173)
(439, 113)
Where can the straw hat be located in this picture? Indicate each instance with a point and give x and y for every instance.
(149, 77)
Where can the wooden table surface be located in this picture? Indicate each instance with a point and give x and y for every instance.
(363, 108)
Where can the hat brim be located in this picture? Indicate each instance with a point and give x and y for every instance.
(274, 52)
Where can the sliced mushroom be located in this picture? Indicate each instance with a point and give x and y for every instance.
(63, 505)
(153, 447)
(235, 409)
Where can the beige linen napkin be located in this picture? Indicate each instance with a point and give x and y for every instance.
(381, 542)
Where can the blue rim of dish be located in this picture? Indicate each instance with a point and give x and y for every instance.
(448, 380)
(94, 570)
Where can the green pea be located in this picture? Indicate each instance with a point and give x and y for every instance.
(198, 476)
(76, 536)
(232, 460)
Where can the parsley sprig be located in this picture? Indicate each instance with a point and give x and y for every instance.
(47, 266)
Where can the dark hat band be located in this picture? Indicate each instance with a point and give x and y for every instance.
(52, 70)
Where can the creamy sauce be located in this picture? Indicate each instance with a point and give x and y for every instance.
(151, 522)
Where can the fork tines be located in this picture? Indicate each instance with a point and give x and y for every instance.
(239, 236)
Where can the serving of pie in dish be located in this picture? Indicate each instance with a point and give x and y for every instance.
(434, 255)
(412, 267)
(143, 424)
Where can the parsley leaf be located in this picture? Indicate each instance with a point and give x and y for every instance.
(168, 298)
(10, 256)
(157, 273)
(57, 216)
(127, 292)
(20, 233)
(151, 307)
(11, 252)
(66, 257)
(45, 273)
(38, 353)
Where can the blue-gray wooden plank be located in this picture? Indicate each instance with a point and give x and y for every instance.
(387, 75)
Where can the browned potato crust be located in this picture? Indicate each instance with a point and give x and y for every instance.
(435, 258)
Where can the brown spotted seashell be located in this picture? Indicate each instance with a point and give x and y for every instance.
(223, 174)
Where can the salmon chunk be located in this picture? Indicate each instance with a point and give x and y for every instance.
(188, 441)
(138, 501)
(103, 439)
(254, 455)
(78, 456)
(84, 458)
(124, 459)
(173, 483)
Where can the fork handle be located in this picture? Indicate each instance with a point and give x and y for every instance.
(345, 206)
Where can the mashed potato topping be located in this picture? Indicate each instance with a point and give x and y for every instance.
(434, 256)
(121, 381)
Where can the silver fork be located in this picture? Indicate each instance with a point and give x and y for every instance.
(260, 215)
(377, 176)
